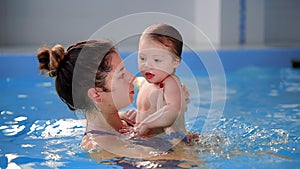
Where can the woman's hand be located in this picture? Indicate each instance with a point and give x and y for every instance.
(186, 94)
(138, 131)
(128, 116)
(127, 131)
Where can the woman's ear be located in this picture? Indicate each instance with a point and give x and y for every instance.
(94, 95)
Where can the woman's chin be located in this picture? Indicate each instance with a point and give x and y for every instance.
(124, 105)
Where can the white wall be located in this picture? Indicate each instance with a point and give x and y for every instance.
(282, 21)
(208, 18)
(36, 22)
(43, 21)
(230, 22)
(255, 22)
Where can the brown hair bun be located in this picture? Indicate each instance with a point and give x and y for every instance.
(49, 59)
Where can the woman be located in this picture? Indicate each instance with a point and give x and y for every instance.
(90, 76)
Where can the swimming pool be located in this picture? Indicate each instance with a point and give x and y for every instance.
(259, 125)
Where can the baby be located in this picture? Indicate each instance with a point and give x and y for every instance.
(161, 99)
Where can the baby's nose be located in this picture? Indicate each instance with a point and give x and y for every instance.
(147, 64)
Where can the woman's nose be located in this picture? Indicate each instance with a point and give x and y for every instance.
(131, 78)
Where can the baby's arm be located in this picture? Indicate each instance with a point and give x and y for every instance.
(167, 115)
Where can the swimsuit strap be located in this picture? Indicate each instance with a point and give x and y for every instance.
(99, 132)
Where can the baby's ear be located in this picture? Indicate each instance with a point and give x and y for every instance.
(94, 95)
(176, 63)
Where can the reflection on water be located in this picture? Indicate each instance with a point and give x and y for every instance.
(56, 128)
(259, 127)
(230, 139)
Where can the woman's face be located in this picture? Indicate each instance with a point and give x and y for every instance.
(120, 83)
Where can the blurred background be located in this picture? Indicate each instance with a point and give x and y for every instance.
(29, 24)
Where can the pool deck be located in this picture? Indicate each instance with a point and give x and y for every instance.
(231, 57)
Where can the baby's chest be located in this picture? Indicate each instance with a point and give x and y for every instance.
(149, 98)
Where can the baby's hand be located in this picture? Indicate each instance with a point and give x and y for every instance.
(141, 130)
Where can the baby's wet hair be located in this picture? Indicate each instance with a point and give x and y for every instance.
(167, 35)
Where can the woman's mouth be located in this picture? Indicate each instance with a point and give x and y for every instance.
(149, 75)
(131, 89)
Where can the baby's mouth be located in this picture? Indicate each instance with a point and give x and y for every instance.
(149, 75)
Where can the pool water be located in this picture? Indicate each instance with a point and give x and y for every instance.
(259, 127)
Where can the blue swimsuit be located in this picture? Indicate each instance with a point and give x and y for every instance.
(168, 138)
(176, 135)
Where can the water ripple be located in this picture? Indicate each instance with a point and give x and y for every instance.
(46, 129)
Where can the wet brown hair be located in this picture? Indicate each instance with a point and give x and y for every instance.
(167, 36)
(84, 65)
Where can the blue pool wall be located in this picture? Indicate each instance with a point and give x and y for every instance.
(26, 65)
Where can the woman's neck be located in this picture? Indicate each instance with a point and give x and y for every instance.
(106, 119)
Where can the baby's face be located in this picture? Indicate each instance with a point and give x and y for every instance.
(155, 61)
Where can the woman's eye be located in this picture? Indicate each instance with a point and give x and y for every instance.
(122, 75)
(142, 59)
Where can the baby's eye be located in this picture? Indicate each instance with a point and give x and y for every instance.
(157, 60)
(142, 58)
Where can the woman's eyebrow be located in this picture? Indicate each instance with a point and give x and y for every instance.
(121, 69)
